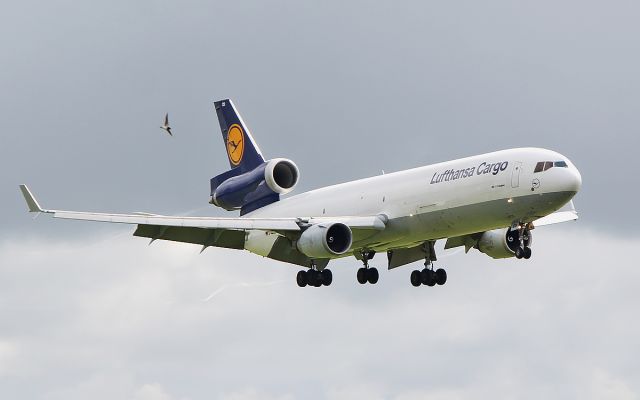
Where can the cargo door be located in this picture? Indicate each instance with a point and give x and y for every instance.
(515, 176)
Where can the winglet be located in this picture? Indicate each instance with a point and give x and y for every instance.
(32, 203)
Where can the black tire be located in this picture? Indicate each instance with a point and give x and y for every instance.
(428, 277)
(313, 278)
(519, 253)
(327, 277)
(317, 280)
(527, 253)
(362, 276)
(301, 278)
(373, 275)
(441, 276)
(416, 278)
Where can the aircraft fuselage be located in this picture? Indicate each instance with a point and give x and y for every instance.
(453, 198)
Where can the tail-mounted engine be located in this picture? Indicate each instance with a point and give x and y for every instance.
(256, 188)
(502, 243)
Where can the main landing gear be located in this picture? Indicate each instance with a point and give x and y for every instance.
(428, 276)
(523, 249)
(315, 278)
(366, 273)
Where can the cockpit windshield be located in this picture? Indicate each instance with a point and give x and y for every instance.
(545, 165)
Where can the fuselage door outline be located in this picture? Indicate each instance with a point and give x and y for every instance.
(515, 176)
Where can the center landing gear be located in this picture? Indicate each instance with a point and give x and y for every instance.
(524, 238)
(428, 276)
(366, 273)
(315, 278)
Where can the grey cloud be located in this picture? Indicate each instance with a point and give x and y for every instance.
(78, 316)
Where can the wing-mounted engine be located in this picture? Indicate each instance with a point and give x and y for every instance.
(325, 240)
(251, 190)
(501, 243)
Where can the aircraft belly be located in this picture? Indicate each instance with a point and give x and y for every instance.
(463, 220)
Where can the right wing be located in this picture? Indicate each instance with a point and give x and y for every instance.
(565, 214)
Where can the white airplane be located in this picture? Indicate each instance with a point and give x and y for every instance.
(489, 202)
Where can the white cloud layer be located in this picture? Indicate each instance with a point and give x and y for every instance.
(109, 317)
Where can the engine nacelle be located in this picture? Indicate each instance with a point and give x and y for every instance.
(264, 184)
(325, 240)
(501, 243)
(281, 175)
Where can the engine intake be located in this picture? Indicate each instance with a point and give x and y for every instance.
(325, 240)
(501, 243)
(281, 175)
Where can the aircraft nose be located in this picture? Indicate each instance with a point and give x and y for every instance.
(574, 180)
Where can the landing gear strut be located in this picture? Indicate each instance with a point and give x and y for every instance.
(313, 277)
(428, 276)
(366, 273)
(524, 237)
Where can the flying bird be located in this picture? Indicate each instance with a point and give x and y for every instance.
(166, 126)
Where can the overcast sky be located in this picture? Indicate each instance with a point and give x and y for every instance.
(345, 89)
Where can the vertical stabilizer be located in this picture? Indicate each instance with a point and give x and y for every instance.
(242, 150)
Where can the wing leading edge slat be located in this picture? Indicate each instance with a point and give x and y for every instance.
(276, 224)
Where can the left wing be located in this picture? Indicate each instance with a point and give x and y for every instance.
(163, 223)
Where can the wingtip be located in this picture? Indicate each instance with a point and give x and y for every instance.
(32, 203)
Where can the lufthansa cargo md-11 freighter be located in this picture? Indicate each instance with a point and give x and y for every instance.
(490, 202)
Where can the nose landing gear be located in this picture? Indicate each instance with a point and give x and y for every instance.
(524, 241)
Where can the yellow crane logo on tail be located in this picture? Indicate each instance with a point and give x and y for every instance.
(235, 144)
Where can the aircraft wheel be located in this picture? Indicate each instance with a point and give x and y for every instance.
(372, 275)
(362, 276)
(519, 253)
(527, 253)
(441, 276)
(416, 278)
(313, 278)
(301, 278)
(327, 277)
(428, 277)
(317, 279)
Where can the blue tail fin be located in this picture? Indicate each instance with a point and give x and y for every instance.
(244, 155)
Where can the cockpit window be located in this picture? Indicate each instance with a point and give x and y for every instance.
(545, 165)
